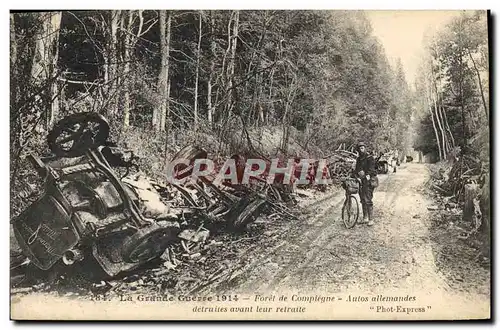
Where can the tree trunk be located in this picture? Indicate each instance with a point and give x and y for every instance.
(229, 76)
(480, 84)
(13, 62)
(165, 31)
(198, 54)
(13, 48)
(111, 64)
(129, 43)
(462, 105)
(167, 123)
(210, 109)
(44, 69)
(464, 135)
(440, 100)
(161, 76)
(447, 124)
(256, 107)
(234, 42)
(260, 110)
(54, 95)
(261, 114)
(471, 194)
(445, 132)
(255, 66)
(441, 130)
(429, 106)
(286, 117)
(437, 111)
(223, 78)
(209, 100)
(14, 123)
(271, 106)
(436, 122)
(485, 206)
(444, 122)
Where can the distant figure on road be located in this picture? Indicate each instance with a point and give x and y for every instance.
(366, 170)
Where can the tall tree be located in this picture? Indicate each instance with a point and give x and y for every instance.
(198, 55)
(211, 72)
(161, 117)
(44, 69)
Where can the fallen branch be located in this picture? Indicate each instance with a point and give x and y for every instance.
(439, 188)
(244, 239)
(20, 290)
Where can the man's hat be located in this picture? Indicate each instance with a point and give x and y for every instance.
(361, 144)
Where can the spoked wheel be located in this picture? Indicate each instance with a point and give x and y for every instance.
(248, 213)
(191, 154)
(75, 134)
(148, 243)
(350, 212)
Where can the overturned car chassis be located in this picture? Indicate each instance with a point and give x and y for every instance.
(88, 210)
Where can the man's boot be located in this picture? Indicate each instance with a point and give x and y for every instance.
(369, 210)
(365, 214)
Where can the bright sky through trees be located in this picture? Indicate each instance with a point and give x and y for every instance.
(402, 34)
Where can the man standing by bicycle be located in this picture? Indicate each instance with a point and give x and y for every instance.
(366, 170)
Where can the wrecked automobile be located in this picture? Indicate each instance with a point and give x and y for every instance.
(87, 210)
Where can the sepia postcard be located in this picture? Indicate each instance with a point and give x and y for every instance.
(250, 165)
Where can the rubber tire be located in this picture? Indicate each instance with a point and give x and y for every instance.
(354, 203)
(75, 118)
(245, 216)
(191, 153)
(153, 231)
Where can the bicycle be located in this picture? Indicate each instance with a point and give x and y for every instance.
(350, 209)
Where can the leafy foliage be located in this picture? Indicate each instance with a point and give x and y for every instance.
(458, 56)
(315, 78)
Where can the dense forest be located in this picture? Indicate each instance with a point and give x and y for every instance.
(318, 77)
(298, 83)
(453, 89)
(453, 110)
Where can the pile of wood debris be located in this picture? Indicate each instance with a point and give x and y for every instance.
(463, 187)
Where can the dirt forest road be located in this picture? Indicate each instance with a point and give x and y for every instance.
(397, 254)
(407, 253)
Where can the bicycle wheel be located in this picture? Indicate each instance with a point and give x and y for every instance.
(350, 212)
